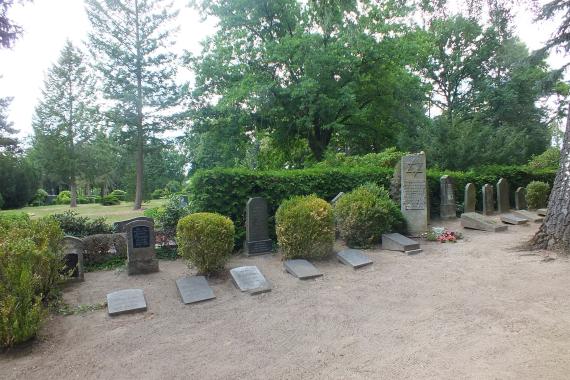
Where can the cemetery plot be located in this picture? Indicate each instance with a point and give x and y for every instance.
(249, 279)
(354, 258)
(141, 256)
(476, 221)
(398, 242)
(513, 219)
(126, 301)
(528, 215)
(194, 289)
(302, 269)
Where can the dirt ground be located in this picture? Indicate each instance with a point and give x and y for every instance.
(478, 309)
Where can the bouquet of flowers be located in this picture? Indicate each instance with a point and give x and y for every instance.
(443, 235)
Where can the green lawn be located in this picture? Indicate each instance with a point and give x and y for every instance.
(95, 210)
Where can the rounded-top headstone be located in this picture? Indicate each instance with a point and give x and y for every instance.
(470, 201)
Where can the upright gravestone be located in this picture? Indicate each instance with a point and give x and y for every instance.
(183, 201)
(520, 199)
(503, 203)
(488, 200)
(257, 230)
(120, 227)
(73, 249)
(414, 193)
(447, 208)
(141, 257)
(470, 200)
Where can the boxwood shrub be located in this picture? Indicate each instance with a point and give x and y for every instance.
(537, 194)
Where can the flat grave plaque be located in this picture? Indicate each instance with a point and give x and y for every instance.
(476, 221)
(529, 215)
(302, 269)
(398, 242)
(194, 289)
(353, 257)
(541, 211)
(249, 279)
(126, 301)
(513, 219)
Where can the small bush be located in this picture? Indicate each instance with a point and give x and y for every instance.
(364, 214)
(63, 198)
(549, 159)
(157, 194)
(104, 247)
(74, 225)
(110, 200)
(119, 194)
(205, 240)
(537, 194)
(14, 219)
(305, 227)
(40, 198)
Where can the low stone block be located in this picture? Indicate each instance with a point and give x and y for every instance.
(531, 216)
(479, 222)
(336, 198)
(541, 211)
(398, 242)
(302, 269)
(513, 219)
(249, 279)
(353, 257)
(126, 301)
(194, 289)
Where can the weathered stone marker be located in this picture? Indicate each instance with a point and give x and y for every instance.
(520, 199)
(194, 289)
(336, 198)
(413, 201)
(513, 219)
(183, 200)
(302, 269)
(470, 200)
(126, 301)
(249, 279)
(353, 257)
(397, 242)
(529, 215)
(503, 202)
(141, 257)
(479, 222)
(119, 227)
(488, 200)
(448, 207)
(73, 258)
(256, 227)
(541, 211)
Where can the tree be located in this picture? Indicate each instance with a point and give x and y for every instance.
(8, 143)
(131, 42)
(64, 117)
(9, 31)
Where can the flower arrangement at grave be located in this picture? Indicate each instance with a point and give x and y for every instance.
(444, 235)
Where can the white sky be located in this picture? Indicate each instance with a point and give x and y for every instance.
(48, 23)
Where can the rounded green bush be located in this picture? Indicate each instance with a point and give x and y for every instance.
(305, 227)
(110, 200)
(63, 198)
(206, 240)
(119, 194)
(364, 214)
(537, 194)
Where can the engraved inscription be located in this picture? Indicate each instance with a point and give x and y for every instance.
(141, 237)
(414, 195)
(261, 246)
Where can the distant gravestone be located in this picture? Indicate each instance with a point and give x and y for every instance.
(257, 229)
(476, 221)
(194, 289)
(470, 200)
(513, 219)
(302, 269)
(520, 199)
(448, 207)
(120, 227)
(413, 189)
(503, 202)
(73, 250)
(126, 301)
(398, 242)
(336, 198)
(183, 201)
(354, 258)
(141, 257)
(488, 200)
(529, 215)
(249, 279)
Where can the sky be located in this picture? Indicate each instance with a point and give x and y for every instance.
(48, 24)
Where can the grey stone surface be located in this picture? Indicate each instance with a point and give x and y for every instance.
(126, 301)
(398, 242)
(448, 207)
(249, 279)
(541, 211)
(520, 199)
(257, 228)
(470, 199)
(414, 199)
(302, 269)
(479, 222)
(183, 200)
(488, 200)
(141, 256)
(353, 257)
(120, 227)
(503, 201)
(336, 198)
(511, 218)
(531, 216)
(73, 250)
(194, 289)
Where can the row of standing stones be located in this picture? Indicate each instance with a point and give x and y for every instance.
(141, 257)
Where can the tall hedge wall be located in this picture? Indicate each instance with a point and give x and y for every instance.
(226, 191)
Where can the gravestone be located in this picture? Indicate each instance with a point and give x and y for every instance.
(470, 200)
(488, 200)
(413, 189)
(476, 221)
(50, 199)
(249, 279)
(520, 199)
(183, 201)
(336, 198)
(120, 227)
(448, 207)
(513, 219)
(398, 242)
(541, 211)
(353, 257)
(141, 257)
(256, 227)
(302, 269)
(73, 249)
(529, 215)
(126, 301)
(194, 289)
(503, 202)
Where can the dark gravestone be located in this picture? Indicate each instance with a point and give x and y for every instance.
(50, 199)
(488, 200)
(476, 221)
(120, 227)
(520, 199)
(141, 257)
(503, 203)
(470, 201)
(257, 230)
(513, 219)
(353, 257)
(398, 242)
(194, 289)
(529, 215)
(448, 207)
(302, 269)
(73, 250)
(249, 279)
(126, 301)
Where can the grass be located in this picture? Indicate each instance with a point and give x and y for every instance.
(92, 210)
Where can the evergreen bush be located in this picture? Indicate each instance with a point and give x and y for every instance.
(537, 194)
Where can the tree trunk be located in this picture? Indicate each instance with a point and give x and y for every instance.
(554, 233)
(140, 131)
(319, 140)
(73, 190)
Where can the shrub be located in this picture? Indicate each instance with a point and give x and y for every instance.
(18, 181)
(15, 219)
(40, 198)
(104, 247)
(205, 240)
(173, 186)
(305, 227)
(110, 200)
(549, 159)
(157, 194)
(364, 214)
(119, 194)
(74, 225)
(537, 194)
(63, 198)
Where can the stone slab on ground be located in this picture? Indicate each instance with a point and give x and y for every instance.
(354, 258)
(399, 242)
(533, 217)
(194, 289)
(479, 222)
(541, 211)
(513, 219)
(250, 279)
(302, 269)
(126, 301)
